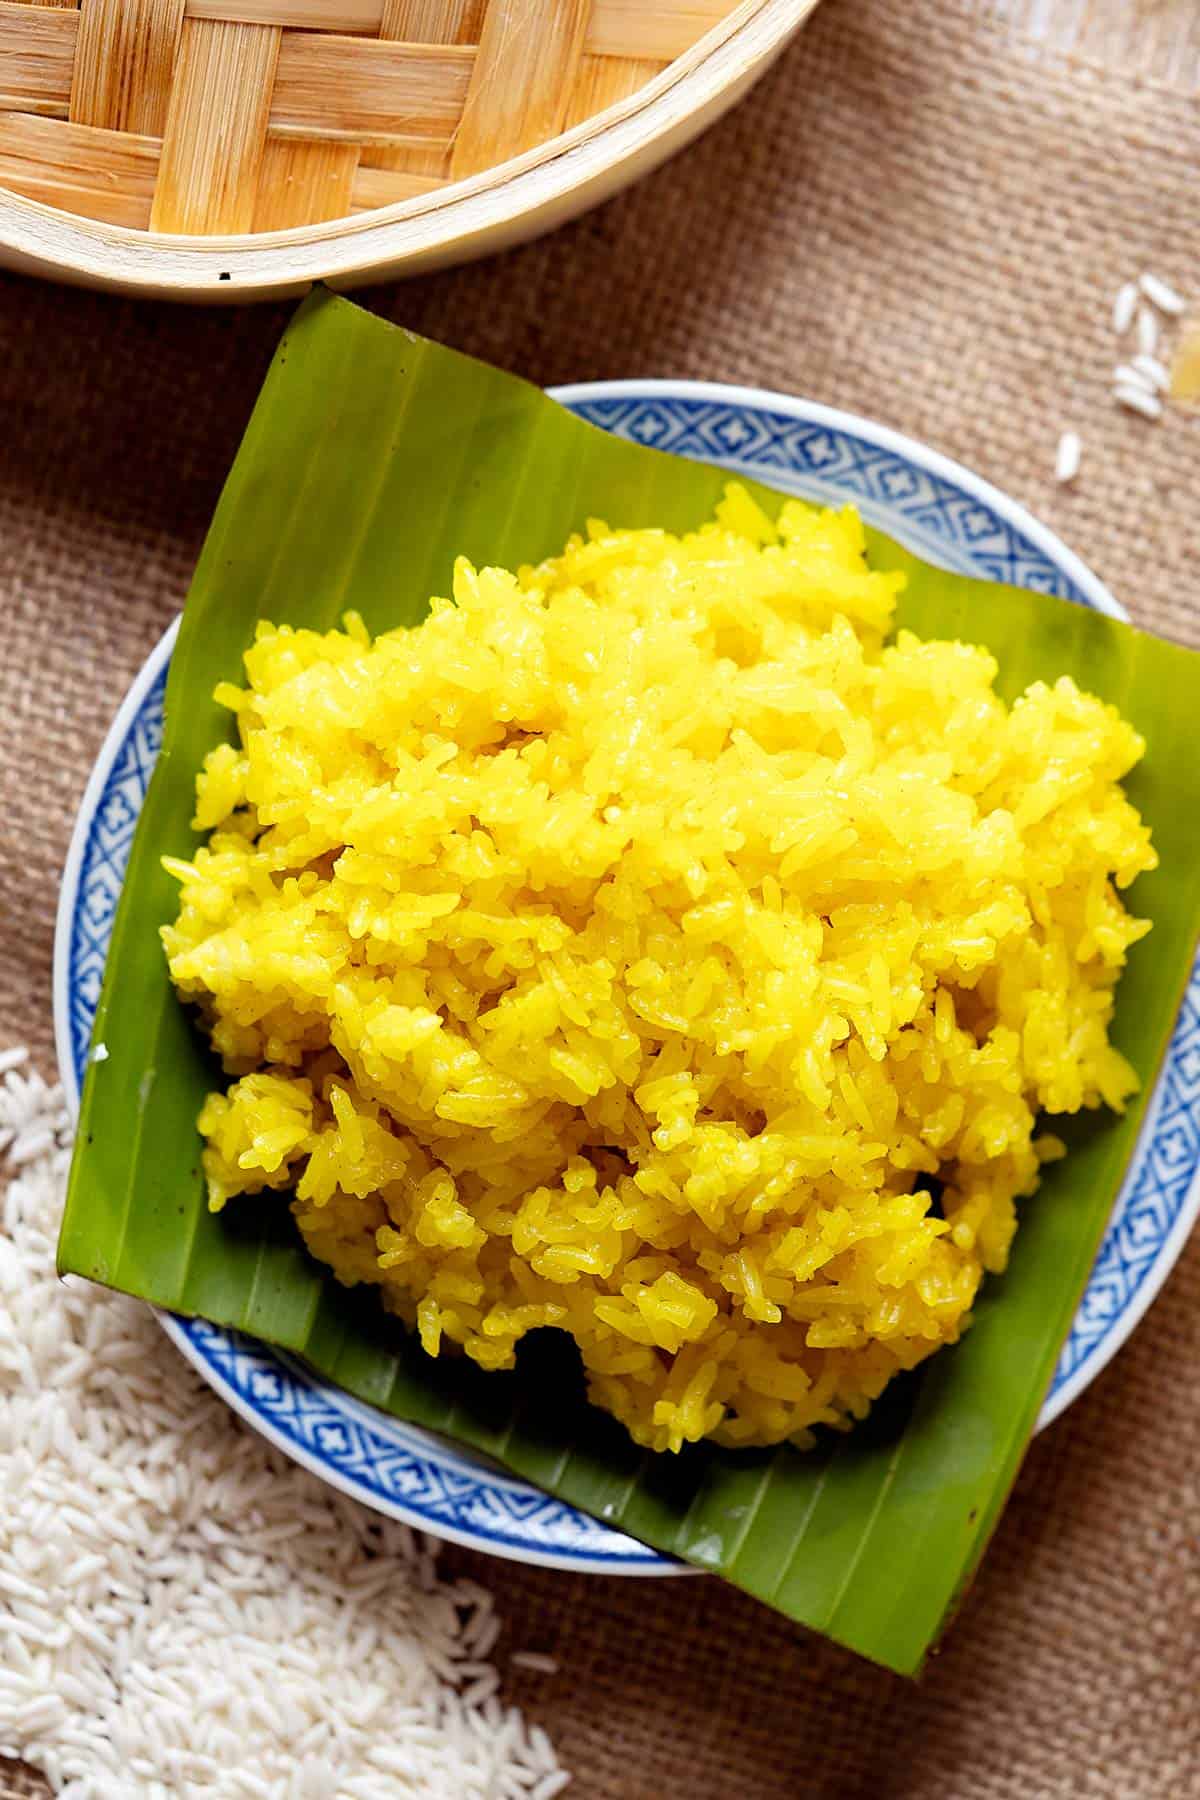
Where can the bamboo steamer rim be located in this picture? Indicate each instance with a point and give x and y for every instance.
(490, 211)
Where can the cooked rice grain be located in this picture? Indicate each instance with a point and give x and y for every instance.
(641, 947)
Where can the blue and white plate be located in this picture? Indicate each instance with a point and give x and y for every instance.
(946, 515)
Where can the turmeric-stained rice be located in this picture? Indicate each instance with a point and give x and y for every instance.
(643, 948)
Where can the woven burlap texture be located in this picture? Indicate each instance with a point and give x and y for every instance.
(915, 220)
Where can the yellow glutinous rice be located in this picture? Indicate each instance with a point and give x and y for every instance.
(644, 947)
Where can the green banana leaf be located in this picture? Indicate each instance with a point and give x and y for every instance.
(372, 458)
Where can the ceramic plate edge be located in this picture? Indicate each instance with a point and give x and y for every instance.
(883, 437)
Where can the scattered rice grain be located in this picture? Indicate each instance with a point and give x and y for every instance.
(1138, 399)
(1147, 332)
(1066, 462)
(1124, 307)
(1129, 375)
(550, 1785)
(534, 1659)
(1153, 371)
(1160, 293)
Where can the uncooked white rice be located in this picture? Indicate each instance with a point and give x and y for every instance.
(1161, 294)
(1153, 371)
(182, 1611)
(535, 1660)
(1147, 332)
(1129, 375)
(1066, 461)
(1138, 398)
(1124, 307)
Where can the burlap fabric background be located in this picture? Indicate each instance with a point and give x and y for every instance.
(922, 219)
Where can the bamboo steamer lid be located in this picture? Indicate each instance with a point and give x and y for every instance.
(243, 148)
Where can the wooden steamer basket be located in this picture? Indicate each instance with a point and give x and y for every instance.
(204, 149)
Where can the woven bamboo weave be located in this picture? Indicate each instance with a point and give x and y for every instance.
(226, 116)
